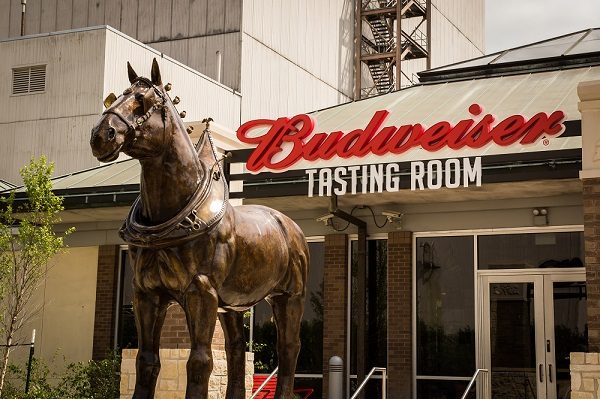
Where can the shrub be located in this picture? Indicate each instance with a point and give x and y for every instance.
(90, 380)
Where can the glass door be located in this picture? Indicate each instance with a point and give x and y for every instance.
(530, 324)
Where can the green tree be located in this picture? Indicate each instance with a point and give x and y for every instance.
(27, 242)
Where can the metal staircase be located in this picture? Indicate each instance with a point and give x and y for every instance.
(385, 45)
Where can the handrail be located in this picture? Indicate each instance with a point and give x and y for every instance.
(472, 381)
(265, 382)
(383, 382)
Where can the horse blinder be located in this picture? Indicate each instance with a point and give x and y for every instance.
(109, 100)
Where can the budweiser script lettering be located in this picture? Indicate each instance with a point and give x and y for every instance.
(475, 132)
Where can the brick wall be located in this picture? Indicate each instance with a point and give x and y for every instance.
(399, 314)
(175, 334)
(106, 288)
(591, 215)
(334, 301)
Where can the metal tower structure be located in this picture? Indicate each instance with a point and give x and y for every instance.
(388, 33)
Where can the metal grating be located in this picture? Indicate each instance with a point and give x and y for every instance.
(30, 79)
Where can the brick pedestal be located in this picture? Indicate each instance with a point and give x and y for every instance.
(399, 314)
(335, 294)
(173, 378)
(585, 376)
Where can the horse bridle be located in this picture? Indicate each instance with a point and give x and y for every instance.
(133, 126)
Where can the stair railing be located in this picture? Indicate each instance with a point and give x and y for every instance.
(383, 372)
(464, 395)
(265, 382)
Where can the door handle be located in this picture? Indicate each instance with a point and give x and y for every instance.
(541, 371)
(550, 373)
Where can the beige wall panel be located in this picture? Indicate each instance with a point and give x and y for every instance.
(466, 15)
(180, 19)
(32, 17)
(448, 44)
(198, 14)
(179, 50)
(197, 53)
(80, 14)
(279, 87)
(162, 20)
(232, 58)
(64, 141)
(48, 18)
(310, 46)
(215, 16)
(145, 21)
(427, 217)
(4, 18)
(129, 17)
(65, 324)
(112, 13)
(233, 15)
(71, 60)
(15, 18)
(200, 96)
(96, 10)
(163, 47)
(64, 14)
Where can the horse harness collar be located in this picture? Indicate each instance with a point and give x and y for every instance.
(202, 213)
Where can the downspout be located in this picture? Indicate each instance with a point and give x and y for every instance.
(361, 285)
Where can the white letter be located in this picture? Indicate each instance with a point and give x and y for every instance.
(472, 173)
(452, 169)
(376, 176)
(353, 178)
(437, 175)
(363, 179)
(311, 181)
(392, 183)
(417, 171)
(325, 182)
(338, 179)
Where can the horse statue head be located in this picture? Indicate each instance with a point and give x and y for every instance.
(188, 245)
(135, 122)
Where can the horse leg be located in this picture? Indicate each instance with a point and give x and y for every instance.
(200, 304)
(235, 346)
(150, 310)
(288, 315)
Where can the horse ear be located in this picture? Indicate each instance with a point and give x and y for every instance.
(131, 73)
(155, 74)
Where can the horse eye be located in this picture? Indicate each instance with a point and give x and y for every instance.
(139, 97)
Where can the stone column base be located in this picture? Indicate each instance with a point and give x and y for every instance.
(585, 376)
(172, 378)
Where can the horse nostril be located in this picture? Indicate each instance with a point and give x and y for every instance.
(111, 133)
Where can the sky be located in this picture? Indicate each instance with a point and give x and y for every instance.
(512, 23)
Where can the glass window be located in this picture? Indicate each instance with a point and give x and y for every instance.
(530, 251)
(127, 332)
(445, 306)
(310, 359)
(444, 389)
(376, 309)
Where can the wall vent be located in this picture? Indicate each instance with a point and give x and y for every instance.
(30, 79)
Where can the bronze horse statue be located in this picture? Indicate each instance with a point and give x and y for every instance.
(189, 245)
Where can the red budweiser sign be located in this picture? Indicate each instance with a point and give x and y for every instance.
(380, 139)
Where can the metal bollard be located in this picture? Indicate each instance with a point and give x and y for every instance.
(336, 378)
